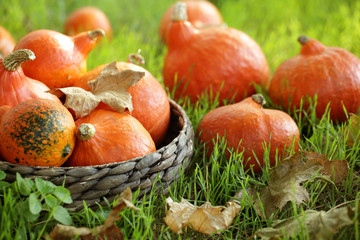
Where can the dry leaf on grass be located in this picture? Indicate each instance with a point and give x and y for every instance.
(352, 129)
(286, 177)
(107, 231)
(110, 87)
(319, 225)
(335, 170)
(205, 219)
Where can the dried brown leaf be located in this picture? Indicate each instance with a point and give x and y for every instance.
(81, 101)
(286, 177)
(284, 184)
(352, 129)
(205, 219)
(123, 201)
(107, 231)
(110, 87)
(335, 170)
(319, 225)
(63, 232)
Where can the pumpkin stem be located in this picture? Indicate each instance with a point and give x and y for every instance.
(303, 39)
(136, 58)
(85, 131)
(96, 33)
(179, 13)
(13, 61)
(259, 98)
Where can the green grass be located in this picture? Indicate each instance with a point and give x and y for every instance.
(275, 25)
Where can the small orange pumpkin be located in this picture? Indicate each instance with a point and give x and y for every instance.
(246, 127)
(224, 60)
(149, 99)
(60, 59)
(37, 132)
(7, 42)
(15, 87)
(105, 136)
(331, 73)
(201, 14)
(87, 18)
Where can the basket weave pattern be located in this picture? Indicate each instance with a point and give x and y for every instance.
(92, 183)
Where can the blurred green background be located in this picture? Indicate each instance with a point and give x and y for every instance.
(274, 24)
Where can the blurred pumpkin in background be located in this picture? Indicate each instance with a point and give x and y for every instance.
(7, 42)
(87, 18)
(201, 14)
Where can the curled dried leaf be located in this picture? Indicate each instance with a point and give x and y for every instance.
(110, 87)
(319, 225)
(335, 170)
(205, 219)
(106, 231)
(284, 184)
(352, 129)
(81, 101)
(286, 177)
(63, 232)
(123, 201)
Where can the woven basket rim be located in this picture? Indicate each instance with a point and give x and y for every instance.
(114, 164)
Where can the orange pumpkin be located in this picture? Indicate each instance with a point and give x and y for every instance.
(149, 99)
(106, 136)
(15, 87)
(60, 59)
(7, 42)
(201, 14)
(223, 60)
(246, 127)
(331, 73)
(87, 18)
(37, 132)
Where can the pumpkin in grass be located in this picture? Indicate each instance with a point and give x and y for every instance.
(15, 87)
(247, 127)
(37, 132)
(149, 98)
(201, 14)
(223, 60)
(105, 136)
(87, 18)
(7, 42)
(331, 73)
(60, 59)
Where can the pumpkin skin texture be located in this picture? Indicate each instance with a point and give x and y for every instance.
(332, 73)
(200, 13)
(225, 60)
(149, 98)
(118, 137)
(245, 126)
(7, 42)
(37, 132)
(60, 59)
(15, 87)
(87, 18)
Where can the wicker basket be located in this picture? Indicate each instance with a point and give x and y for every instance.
(92, 183)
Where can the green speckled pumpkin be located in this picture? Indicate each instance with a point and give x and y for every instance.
(37, 132)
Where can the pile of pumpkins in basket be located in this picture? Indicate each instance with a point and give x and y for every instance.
(39, 126)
